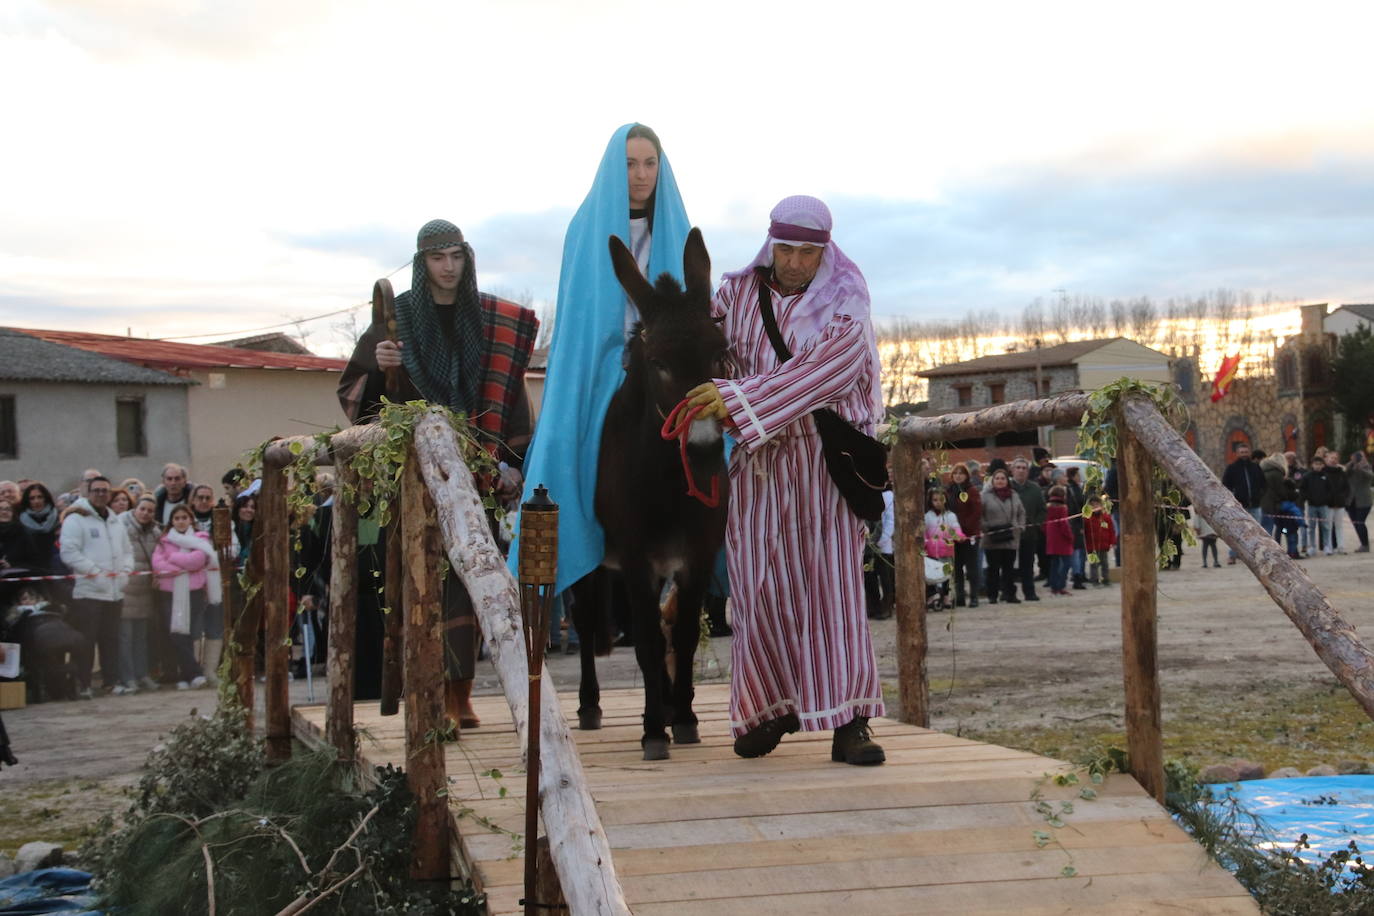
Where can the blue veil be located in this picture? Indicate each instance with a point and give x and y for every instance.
(584, 367)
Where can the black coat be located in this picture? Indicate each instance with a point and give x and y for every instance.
(1245, 480)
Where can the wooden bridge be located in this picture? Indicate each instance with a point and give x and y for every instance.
(946, 826)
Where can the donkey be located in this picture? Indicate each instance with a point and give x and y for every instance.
(655, 529)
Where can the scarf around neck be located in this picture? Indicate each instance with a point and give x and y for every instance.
(1003, 493)
(44, 520)
(181, 583)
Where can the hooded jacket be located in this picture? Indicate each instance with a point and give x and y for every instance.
(1276, 485)
(91, 544)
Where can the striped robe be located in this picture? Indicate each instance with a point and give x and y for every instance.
(795, 550)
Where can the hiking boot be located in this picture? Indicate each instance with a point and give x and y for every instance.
(853, 744)
(762, 738)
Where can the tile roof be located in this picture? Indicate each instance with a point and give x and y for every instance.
(1365, 311)
(1064, 354)
(172, 355)
(28, 358)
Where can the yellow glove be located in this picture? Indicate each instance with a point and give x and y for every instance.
(707, 397)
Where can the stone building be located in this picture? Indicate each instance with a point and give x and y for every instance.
(1080, 365)
(63, 410)
(1288, 410)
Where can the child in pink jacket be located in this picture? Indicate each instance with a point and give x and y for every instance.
(942, 531)
(181, 563)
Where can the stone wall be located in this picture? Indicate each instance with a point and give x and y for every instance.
(1019, 385)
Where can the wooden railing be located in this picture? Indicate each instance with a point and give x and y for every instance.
(440, 513)
(1146, 439)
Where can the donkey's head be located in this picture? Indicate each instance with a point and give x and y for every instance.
(678, 345)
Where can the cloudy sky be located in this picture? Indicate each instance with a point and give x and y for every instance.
(178, 167)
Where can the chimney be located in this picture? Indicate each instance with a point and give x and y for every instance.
(1313, 320)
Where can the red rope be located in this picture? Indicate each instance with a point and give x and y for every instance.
(678, 425)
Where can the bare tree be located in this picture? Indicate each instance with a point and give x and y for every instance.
(1120, 317)
(1144, 320)
(1061, 318)
(347, 330)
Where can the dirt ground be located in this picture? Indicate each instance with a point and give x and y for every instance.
(1237, 678)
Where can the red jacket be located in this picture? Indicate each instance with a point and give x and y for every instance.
(1058, 531)
(1099, 532)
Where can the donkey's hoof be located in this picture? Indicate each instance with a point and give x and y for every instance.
(655, 748)
(686, 733)
(589, 720)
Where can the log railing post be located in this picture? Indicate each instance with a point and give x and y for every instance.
(1139, 622)
(1331, 636)
(393, 627)
(343, 614)
(275, 528)
(909, 541)
(247, 627)
(424, 675)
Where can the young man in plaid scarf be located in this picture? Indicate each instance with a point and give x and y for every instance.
(467, 350)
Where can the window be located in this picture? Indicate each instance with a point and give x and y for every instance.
(997, 392)
(1045, 386)
(9, 432)
(129, 437)
(1287, 372)
(965, 395)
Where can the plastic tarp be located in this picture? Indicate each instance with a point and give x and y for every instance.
(1331, 810)
(48, 890)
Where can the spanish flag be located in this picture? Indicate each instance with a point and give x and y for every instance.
(1222, 383)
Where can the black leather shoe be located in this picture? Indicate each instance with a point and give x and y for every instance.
(853, 744)
(762, 738)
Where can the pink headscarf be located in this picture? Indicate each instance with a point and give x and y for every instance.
(838, 288)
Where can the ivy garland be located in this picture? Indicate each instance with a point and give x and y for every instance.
(1098, 441)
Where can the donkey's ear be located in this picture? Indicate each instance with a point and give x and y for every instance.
(627, 272)
(696, 265)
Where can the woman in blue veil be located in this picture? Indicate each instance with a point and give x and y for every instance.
(590, 323)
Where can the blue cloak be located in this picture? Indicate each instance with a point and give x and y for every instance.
(584, 367)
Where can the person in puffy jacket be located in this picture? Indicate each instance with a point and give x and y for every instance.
(182, 561)
(1058, 540)
(1099, 536)
(1004, 518)
(95, 546)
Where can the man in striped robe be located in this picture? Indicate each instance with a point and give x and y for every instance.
(802, 656)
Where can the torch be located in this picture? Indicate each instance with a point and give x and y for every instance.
(538, 565)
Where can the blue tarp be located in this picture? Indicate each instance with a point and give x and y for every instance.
(48, 890)
(1331, 810)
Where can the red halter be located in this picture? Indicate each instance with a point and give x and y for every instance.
(678, 425)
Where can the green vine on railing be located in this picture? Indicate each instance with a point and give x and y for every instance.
(1099, 442)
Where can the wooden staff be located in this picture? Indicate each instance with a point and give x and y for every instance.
(538, 569)
(393, 649)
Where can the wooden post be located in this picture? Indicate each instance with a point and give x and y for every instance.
(249, 624)
(393, 629)
(909, 541)
(424, 676)
(276, 584)
(222, 536)
(1139, 623)
(547, 890)
(1330, 635)
(343, 615)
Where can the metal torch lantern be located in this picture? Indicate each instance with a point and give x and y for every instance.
(538, 568)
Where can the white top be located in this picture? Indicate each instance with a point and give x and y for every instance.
(640, 243)
(885, 532)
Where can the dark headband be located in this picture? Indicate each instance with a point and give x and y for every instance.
(441, 240)
(791, 233)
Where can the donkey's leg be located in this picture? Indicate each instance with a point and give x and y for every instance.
(686, 635)
(649, 649)
(586, 615)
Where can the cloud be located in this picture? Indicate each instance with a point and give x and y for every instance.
(1296, 230)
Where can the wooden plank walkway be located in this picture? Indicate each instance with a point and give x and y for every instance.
(946, 826)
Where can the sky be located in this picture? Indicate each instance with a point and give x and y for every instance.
(189, 167)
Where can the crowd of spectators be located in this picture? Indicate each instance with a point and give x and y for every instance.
(116, 580)
(996, 530)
